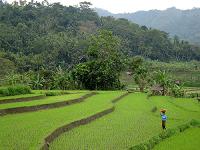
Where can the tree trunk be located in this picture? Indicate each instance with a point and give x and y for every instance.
(141, 88)
(163, 92)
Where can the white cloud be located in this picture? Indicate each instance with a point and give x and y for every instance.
(117, 6)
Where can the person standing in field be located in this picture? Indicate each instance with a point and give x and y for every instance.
(164, 118)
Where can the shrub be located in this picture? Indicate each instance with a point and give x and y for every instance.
(15, 90)
(183, 127)
(192, 95)
(156, 139)
(154, 109)
(195, 123)
(52, 93)
(4, 91)
(55, 93)
(167, 134)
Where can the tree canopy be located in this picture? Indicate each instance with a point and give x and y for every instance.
(42, 37)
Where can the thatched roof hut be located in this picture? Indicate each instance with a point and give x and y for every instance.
(157, 89)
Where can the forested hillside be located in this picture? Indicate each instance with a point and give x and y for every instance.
(184, 23)
(35, 36)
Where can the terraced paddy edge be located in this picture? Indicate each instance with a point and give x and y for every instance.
(73, 125)
(24, 109)
(120, 97)
(78, 123)
(22, 99)
(187, 140)
(165, 135)
(27, 131)
(184, 104)
(132, 123)
(47, 100)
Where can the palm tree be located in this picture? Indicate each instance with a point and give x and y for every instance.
(38, 82)
(162, 78)
(141, 77)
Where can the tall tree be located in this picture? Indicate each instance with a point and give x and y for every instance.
(104, 63)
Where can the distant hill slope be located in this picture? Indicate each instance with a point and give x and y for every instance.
(184, 23)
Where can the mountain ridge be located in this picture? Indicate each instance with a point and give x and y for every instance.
(183, 23)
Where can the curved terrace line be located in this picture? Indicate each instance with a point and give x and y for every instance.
(24, 109)
(152, 142)
(22, 99)
(181, 107)
(30, 98)
(57, 132)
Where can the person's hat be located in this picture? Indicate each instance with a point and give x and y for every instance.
(163, 110)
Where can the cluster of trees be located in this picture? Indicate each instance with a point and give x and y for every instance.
(184, 23)
(100, 69)
(57, 46)
(150, 43)
(159, 82)
(43, 79)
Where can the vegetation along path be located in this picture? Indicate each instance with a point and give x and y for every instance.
(187, 140)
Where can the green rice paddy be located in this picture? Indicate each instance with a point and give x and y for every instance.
(47, 100)
(27, 131)
(135, 120)
(187, 140)
(20, 96)
(131, 123)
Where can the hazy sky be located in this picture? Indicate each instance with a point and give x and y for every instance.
(120, 6)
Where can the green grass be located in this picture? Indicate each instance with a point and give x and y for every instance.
(175, 111)
(188, 105)
(187, 140)
(131, 123)
(68, 91)
(47, 100)
(20, 96)
(27, 131)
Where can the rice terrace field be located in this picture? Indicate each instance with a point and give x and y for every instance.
(102, 120)
(75, 75)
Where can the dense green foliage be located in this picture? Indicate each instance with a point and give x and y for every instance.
(44, 42)
(14, 90)
(140, 72)
(104, 64)
(186, 72)
(157, 81)
(150, 43)
(36, 35)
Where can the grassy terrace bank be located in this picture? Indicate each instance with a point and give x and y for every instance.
(27, 131)
(132, 123)
(20, 96)
(47, 100)
(187, 140)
